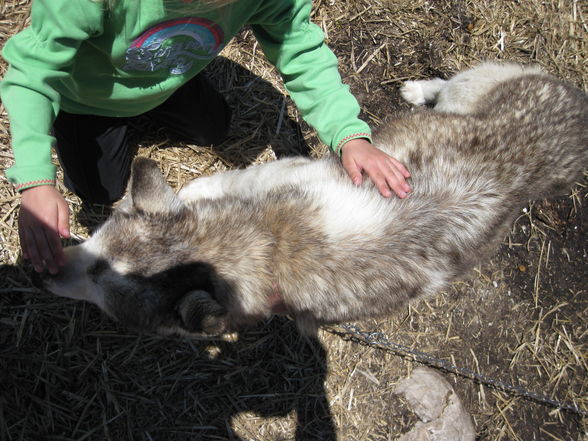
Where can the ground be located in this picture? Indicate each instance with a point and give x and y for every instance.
(511, 338)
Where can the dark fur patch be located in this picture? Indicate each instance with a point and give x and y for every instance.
(151, 302)
(97, 268)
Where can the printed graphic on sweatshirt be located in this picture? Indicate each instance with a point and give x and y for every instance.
(174, 45)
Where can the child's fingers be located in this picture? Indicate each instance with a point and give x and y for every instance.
(48, 239)
(23, 243)
(41, 244)
(45, 241)
(62, 230)
(397, 184)
(43, 217)
(354, 172)
(400, 166)
(395, 179)
(388, 174)
(381, 181)
(54, 251)
(397, 175)
(33, 251)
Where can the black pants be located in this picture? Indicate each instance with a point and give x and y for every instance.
(94, 151)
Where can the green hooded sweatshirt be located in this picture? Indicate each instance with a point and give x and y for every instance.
(125, 59)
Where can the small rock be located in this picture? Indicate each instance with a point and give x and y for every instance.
(433, 400)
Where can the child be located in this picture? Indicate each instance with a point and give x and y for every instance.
(84, 66)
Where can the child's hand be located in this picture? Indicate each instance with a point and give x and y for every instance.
(43, 217)
(386, 172)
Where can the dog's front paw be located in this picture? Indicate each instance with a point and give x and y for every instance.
(413, 92)
(200, 312)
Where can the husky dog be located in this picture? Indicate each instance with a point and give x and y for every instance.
(295, 236)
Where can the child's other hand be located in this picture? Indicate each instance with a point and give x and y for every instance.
(43, 217)
(388, 174)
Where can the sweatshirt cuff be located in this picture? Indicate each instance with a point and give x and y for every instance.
(30, 184)
(31, 176)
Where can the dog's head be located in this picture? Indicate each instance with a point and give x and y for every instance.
(138, 267)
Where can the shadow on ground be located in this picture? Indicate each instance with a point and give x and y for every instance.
(79, 376)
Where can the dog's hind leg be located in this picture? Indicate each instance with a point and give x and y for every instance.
(462, 93)
(465, 91)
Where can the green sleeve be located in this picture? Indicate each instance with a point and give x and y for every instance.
(308, 67)
(39, 57)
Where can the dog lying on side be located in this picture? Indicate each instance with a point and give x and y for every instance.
(296, 236)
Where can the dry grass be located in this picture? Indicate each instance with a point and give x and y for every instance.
(68, 373)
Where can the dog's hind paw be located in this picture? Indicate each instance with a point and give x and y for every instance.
(422, 91)
(413, 93)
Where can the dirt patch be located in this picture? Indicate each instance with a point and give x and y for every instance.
(69, 373)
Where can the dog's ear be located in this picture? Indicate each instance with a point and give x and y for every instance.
(126, 203)
(201, 313)
(148, 189)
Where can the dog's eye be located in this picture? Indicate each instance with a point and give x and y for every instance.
(97, 268)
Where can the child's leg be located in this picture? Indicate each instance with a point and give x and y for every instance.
(196, 113)
(94, 154)
(94, 151)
